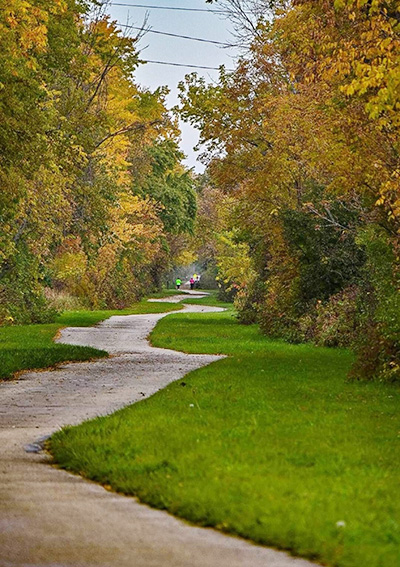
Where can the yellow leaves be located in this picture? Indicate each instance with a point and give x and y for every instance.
(69, 267)
(234, 260)
(114, 154)
(185, 258)
(44, 208)
(389, 196)
(70, 263)
(60, 6)
(339, 4)
(135, 221)
(374, 57)
(349, 90)
(105, 262)
(81, 123)
(28, 24)
(34, 38)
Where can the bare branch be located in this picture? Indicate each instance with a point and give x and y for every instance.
(129, 128)
(328, 218)
(245, 16)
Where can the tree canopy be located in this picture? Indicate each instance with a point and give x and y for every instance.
(76, 213)
(302, 141)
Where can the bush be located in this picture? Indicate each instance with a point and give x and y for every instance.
(63, 301)
(378, 345)
(280, 312)
(247, 302)
(337, 321)
(226, 293)
(377, 356)
(22, 300)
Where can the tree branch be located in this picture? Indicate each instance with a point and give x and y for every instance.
(125, 129)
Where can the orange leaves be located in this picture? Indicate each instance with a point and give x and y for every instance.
(72, 124)
(344, 61)
(11, 20)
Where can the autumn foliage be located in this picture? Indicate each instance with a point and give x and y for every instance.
(303, 141)
(79, 141)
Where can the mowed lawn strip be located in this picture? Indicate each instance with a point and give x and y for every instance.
(24, 347)
(272, 444)
(210, 299)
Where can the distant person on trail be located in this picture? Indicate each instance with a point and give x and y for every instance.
(191, 283)
(178, 282)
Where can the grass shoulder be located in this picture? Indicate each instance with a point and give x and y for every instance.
(271, 443)
(210, 299)
(165, 293)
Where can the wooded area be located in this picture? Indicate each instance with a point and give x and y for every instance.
(299, 208)
(92, 181)
(302, 146)
(293, 229)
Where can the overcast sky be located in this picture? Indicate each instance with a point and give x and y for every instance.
(174, 50)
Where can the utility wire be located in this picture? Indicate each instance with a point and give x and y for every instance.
(175, 35)
(181, 65)
(169, 8)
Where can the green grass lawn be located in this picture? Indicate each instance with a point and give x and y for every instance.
(166, 293)
(211, 300)
(271, 443)
(25, 347)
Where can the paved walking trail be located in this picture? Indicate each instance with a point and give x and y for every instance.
(49, 518)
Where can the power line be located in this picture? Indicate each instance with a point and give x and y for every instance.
(181, 65)
(169, 8)
(175, 35)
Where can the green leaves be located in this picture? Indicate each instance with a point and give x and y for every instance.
(304, 138)
(72, 125)
(170, 187)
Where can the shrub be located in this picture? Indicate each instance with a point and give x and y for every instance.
(226, 293)
(21, 293)
(337, 321)
(378, 357)
(62, 301)
(378, 345)
(247, 302)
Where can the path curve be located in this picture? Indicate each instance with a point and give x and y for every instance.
(50, 518)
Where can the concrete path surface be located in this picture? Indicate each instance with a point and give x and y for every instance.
(49, 518)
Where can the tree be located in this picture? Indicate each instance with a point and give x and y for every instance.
(303, 136)
(72, 123)
(170, 186)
